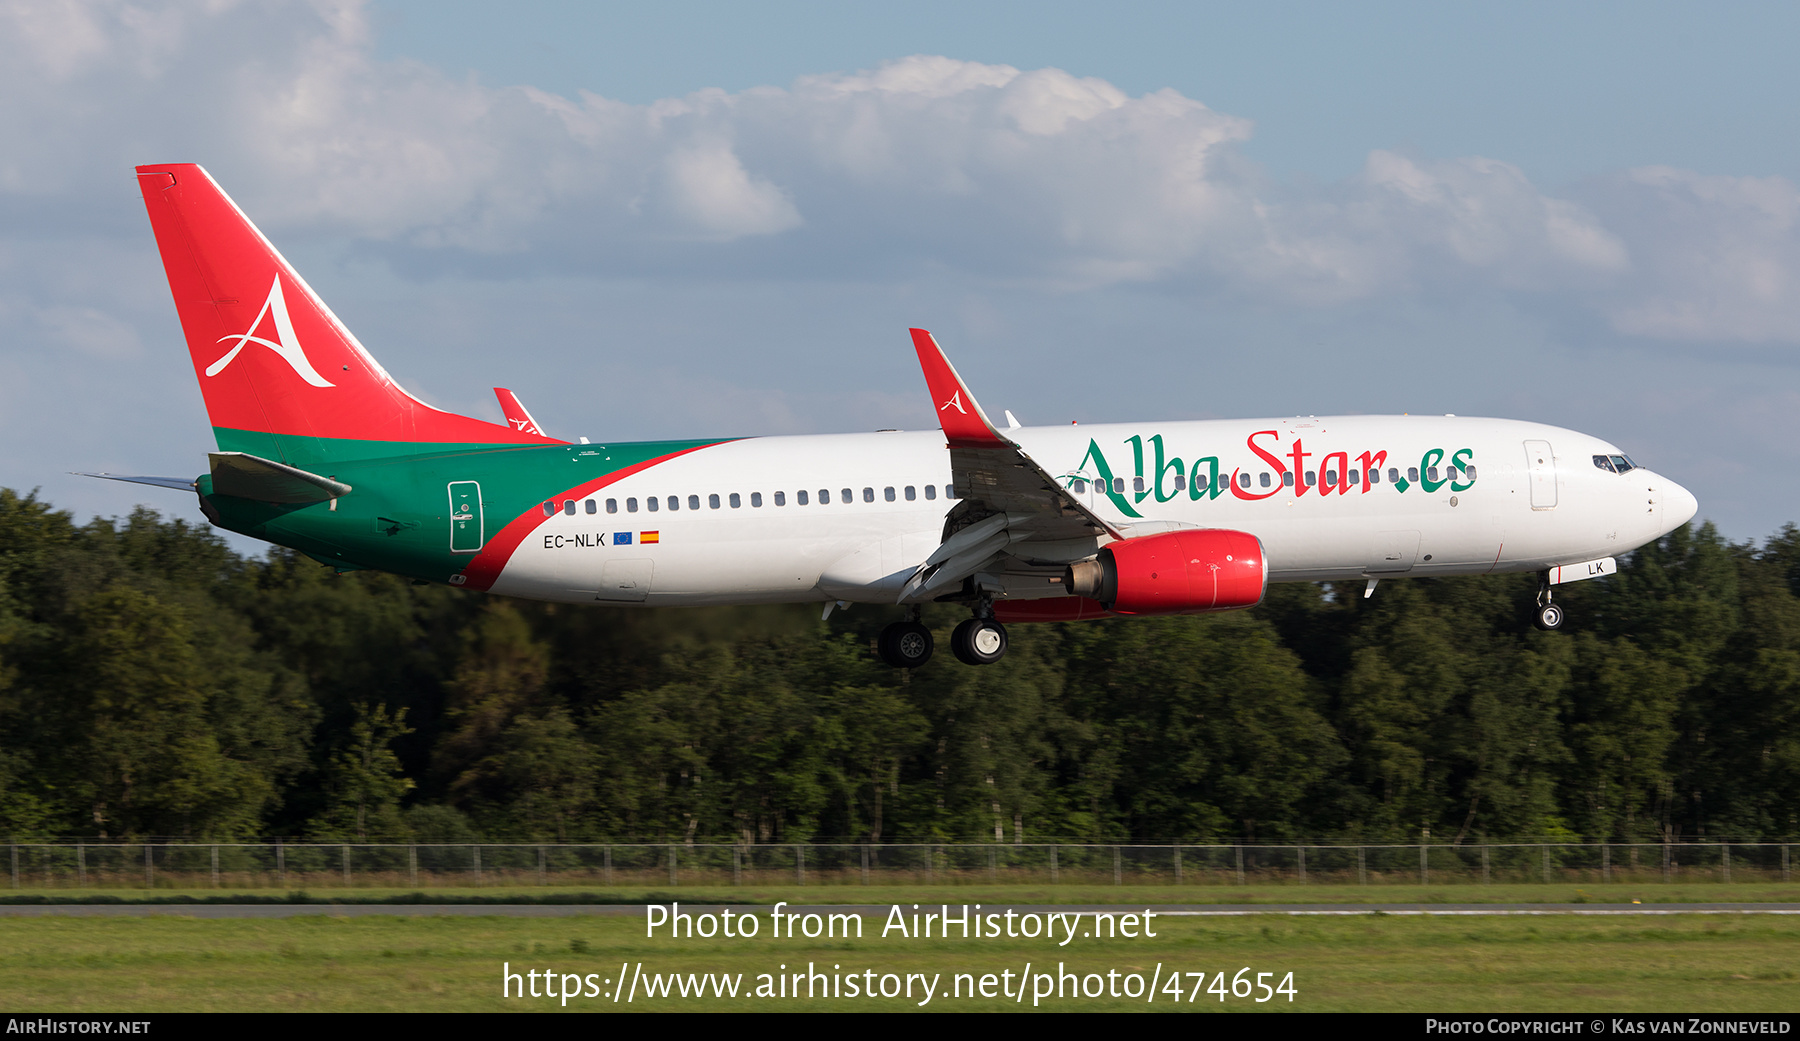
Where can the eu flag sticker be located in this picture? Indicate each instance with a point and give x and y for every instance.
(621, 538)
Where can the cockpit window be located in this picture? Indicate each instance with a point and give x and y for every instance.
(1605, 463)
(1623, 463)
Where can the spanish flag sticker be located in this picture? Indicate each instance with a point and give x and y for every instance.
(647, 537)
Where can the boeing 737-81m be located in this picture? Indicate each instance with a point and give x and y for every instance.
(320, 450)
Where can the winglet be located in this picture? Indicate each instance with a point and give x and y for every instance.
(965, 425)
(516, 414)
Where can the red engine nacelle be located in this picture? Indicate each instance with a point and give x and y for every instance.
(1177, 572)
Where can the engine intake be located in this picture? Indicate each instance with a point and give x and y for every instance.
(1176, 572)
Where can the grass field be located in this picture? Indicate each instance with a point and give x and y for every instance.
(1281, 893)
(383, 963)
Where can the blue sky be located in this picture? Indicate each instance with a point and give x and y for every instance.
(699, 219)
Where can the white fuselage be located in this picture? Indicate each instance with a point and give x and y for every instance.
(1522, 497)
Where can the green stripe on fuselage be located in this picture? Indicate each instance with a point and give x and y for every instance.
(397, 515)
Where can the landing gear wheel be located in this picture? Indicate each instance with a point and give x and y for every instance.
(906, 645)
(979, 641)
(1547, 617)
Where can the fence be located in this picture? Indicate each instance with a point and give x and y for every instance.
(298, 866)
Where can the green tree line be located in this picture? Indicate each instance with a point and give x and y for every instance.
(153, 682)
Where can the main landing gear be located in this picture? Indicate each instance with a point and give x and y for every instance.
(906, 645)
(979, 641)
(1546, 615)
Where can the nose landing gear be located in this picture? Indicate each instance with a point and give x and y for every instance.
(1546, 616)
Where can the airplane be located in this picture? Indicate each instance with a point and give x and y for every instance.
(321, 451)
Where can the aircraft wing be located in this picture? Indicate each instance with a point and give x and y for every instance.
(1006, 496)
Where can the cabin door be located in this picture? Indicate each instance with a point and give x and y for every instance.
(466, 525)
(1540, 462)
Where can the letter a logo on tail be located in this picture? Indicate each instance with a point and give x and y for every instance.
(285, 344)
(956, 402)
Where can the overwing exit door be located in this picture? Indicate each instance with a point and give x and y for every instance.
(466, 526)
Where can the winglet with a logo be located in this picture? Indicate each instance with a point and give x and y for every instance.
(965, 425)
(993, 476)
(516, 414)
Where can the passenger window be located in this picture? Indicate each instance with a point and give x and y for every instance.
(1374, 476)
(713, 500)
(1412, 473)
(781, 498)
(630, 505)
(1312, 478)
(1118, 486)
(845, 496)
(591, 506)
(736, 503)
(674, 502)
(1431, 473)
(824, 496)
(950, 491)
(1137, 484)
(911, 493)
(931, 491)
(693, 502)
(800, 497)
(652, 504)
(612, 505)
(1393, 475)
(1244, 480)
(888, 493)
(1078, 486)
(756, 499)
(569, 507)
(1352, 476)
(1471, 472)
(549, 507)
(1180, 483)
(1331, 478)
(1287, 479)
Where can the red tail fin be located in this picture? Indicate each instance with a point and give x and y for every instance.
(278, 371)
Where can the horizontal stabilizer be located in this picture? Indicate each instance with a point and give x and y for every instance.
(264, 480)
(185, 484)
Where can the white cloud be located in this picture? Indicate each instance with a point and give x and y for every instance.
(1720, 256)
(1035, 177)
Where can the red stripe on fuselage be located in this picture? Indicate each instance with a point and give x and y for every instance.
(484, 570)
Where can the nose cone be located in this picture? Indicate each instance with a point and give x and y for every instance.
(1678, 505)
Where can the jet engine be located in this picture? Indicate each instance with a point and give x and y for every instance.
(1177, 572)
